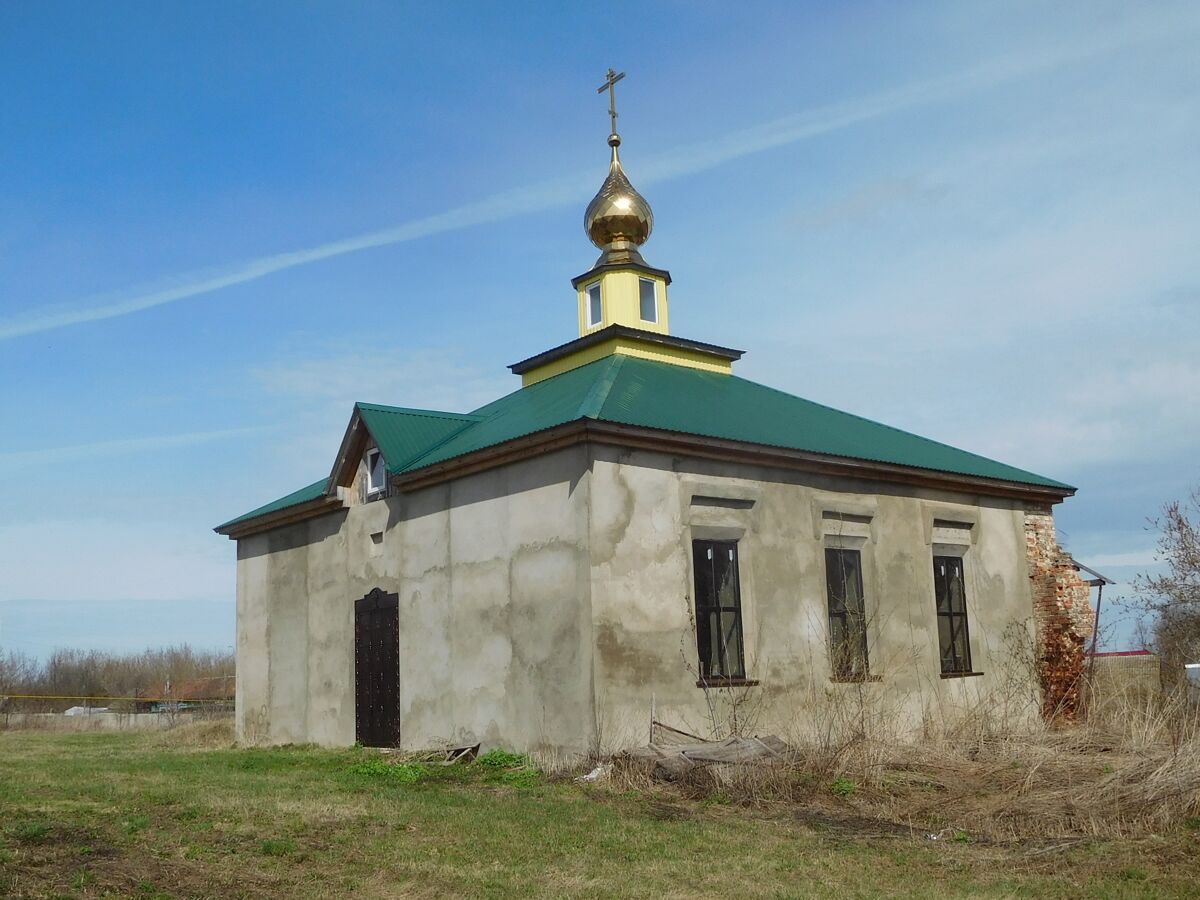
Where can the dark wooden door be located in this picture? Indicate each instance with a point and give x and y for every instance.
(377, 670)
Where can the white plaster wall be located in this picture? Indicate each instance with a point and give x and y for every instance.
(494, 617)
(252, 689)
(495, 630)
(545, 604)
(642, 523)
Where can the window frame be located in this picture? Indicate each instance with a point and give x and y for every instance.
(843, 665)
(952, 665)
(654, 291)
(731, 674)
(372, 488)
(587, 293)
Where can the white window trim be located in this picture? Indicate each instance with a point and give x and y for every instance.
(653, 284)
(373, 488)
(587, 301)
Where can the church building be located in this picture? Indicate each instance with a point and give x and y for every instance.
(638, 532)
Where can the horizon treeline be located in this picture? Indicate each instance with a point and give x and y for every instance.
(102, 673)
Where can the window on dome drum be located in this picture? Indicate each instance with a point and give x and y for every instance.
(718, 611)
(649, 299)
(847, 616)
(595, 310)
(954, 644)
(376, 472)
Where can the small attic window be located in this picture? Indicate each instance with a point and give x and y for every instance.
(648, 296)
(376, 472)
(595, 310)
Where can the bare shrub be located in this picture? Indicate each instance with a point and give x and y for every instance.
(984, 764)
(1173, 598)
(1135, 770)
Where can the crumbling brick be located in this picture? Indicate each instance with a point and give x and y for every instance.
(1062, 612)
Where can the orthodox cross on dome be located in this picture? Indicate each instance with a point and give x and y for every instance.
(610, 84)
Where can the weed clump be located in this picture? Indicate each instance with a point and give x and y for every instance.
(843, 787)
(277, 847)
(31, 832)
(520, 778)
(402, 773)
(511, 769)
(502, 759)
(495, 767)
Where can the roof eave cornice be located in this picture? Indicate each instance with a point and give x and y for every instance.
(631, 265)
(679, 443)
(521, 448)
(591, 339)
(288, 516)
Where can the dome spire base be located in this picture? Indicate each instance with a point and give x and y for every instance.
(618, 252)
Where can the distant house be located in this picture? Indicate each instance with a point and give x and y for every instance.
(191, 694)
(85, 710)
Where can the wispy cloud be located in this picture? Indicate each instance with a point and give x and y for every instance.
(432, 378)
(1150, 556)
(52, 455)
(681, 161)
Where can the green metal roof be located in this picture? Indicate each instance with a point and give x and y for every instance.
(404, 434)
(295, 498)
(575, 394)
(632, 391)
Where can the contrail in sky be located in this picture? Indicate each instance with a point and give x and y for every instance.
(687, 160)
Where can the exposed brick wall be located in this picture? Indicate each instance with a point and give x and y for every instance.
(1062, 612)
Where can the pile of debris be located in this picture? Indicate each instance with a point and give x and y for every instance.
(673, 753)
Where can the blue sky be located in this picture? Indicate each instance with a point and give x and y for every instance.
(222, 225)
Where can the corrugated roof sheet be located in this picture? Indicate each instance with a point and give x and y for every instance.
(575, 394)
(404, 434)
(633, 391)
(641, 392)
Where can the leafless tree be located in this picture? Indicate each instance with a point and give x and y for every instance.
(97, 674)
(1173, 598)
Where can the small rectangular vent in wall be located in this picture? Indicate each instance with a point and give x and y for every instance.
(722, 502)
(377, 537)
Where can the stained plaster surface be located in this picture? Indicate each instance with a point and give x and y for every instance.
(545, 605)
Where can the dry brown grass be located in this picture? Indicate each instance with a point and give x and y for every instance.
(1132, 770)
(202, 734)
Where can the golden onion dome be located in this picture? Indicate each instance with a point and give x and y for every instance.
(618, 213)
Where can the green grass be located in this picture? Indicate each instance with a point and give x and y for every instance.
(92, 815)
(843, 787)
